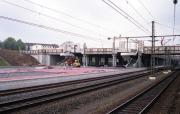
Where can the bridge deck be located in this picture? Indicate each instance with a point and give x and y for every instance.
(147, 50)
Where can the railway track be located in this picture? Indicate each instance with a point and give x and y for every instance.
(41, 87)
(141, 102)
(16, 104)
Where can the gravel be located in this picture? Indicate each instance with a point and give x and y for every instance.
(95, 102)
(169, 101)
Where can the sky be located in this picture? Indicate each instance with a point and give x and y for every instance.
(86, 21)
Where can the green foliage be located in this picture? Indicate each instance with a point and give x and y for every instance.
(11, 43)
(3, 62)
(1, 44)
(20, 44)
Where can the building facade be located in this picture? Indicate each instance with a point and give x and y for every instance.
(40, 46)
(70, 47)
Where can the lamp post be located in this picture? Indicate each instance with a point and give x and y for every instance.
(127, 44)
(174, 2)
(85, 57)
(113, 50)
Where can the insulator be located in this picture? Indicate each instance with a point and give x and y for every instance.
(175, 1)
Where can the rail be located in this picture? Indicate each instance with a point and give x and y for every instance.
(141, 102)
(99, 82)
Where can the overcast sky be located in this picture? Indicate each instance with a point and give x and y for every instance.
(92, 19)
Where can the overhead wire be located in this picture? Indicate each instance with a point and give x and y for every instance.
(126, 15)
(170, 27)
(140, 15)
(129, 31)
(51, 17)
(48, 28)
(146, 8)
(122, 14)
(70, 16)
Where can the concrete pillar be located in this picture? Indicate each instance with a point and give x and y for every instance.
(48, 59)
(139, 61)
(114, 60)
(43, 59)
(38, 58)
(85, 60)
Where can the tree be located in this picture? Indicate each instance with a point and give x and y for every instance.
(20, 45)
(10, 43)
(1, 44)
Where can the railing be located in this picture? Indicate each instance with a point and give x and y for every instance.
(163, 50)
(87, 51)
(43, 51)
(147, 50)
(106, 51)
(98, 51)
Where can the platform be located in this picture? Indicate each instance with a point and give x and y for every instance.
(11, 78)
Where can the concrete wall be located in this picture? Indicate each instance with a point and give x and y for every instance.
(90, 60)
(139, 60)
(43, 59)
(49, 59)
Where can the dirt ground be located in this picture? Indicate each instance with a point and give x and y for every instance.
(14, 58)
